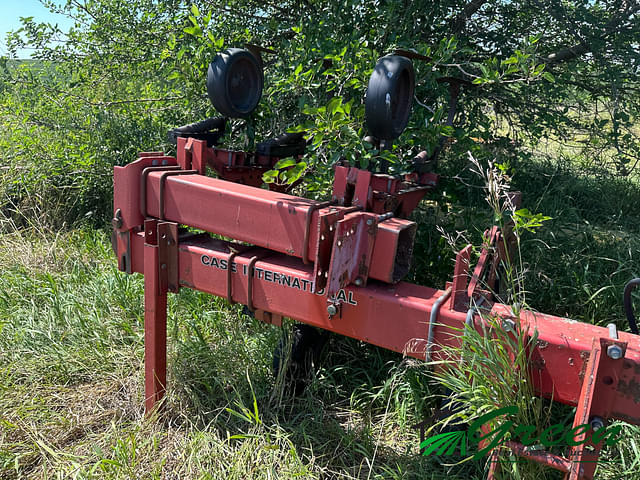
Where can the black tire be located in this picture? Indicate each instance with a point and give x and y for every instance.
(234, 82)
(389, 97)
(307, 344)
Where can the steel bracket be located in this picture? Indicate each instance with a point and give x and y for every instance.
(351, 254)
(167, 238)
(601, 376)
(328, 220)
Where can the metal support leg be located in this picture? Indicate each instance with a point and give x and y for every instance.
(155, 322)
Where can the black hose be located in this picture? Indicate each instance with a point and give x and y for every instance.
(215, 123)
(210, 129)
(628, 306)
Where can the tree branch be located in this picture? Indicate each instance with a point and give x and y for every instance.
(613, 26)
(460, 20)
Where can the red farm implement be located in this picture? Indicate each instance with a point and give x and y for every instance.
(338, 265)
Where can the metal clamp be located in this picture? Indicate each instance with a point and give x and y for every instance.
(163, 177)
(143, 184)
(250, 268)
(234, 253)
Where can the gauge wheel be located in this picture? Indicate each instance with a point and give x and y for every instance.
(389, 97)
(234, 82)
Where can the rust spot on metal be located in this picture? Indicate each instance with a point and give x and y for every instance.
(585, 358)
(630, 388)
(537, 361)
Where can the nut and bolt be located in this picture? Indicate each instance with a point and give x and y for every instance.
(613, 331)
(596, 423)
(332, 310)
(614, 352)
(508, 325)
(358, 281)
(370, 221)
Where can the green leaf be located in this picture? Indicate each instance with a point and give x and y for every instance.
(334, 105)
(270, 176)
(284, 163)
(195, 31)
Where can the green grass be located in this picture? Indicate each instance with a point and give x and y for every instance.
(71, 384)
(71, 350)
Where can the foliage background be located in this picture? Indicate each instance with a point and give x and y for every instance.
(547, 88)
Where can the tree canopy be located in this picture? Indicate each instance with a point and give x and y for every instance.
(495, 75)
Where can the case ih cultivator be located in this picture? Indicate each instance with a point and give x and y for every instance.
(338, 265)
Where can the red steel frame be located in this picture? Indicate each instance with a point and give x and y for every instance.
(570, 361)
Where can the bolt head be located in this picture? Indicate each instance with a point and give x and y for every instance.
(370, 222)
(508, 325)
(332, 310)
(596, 423)
(358, 281)
(614, 352)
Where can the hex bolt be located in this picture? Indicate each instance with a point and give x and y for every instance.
(508, 325)
(596, 423)
(613, 331)
(332, 310)
(614, 352)
(358, 282)
(370, 221)
(163, 266)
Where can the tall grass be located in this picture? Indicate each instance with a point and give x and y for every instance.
(71, 353)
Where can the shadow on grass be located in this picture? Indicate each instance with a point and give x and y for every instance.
(353, 421)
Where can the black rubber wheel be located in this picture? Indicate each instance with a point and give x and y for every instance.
(389, 97)
(234, 82)
(307, 344)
